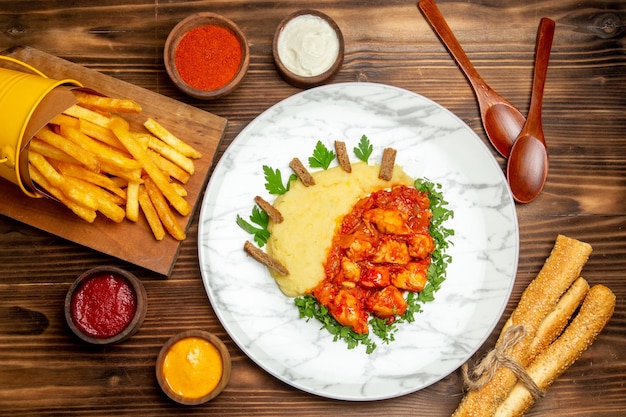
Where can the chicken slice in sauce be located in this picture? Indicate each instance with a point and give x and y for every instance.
(381, 250)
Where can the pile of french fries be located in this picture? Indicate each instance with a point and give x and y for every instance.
(91, 160)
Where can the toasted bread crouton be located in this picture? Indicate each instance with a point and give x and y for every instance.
(387, 164)
(264, 258)
(302, 173)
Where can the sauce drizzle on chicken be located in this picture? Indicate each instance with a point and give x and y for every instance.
(382, 249)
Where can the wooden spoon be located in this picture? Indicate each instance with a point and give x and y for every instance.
(527, 168)
(501, 119)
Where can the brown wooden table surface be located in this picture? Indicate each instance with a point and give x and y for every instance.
(44, 370)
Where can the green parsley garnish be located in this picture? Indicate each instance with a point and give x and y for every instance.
(309, 307)
(322, 156)
(274, 180)
(441, 235)
(260, 218)
(274, 184)
(364, 150)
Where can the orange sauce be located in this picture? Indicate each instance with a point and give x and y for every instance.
(382, 250)
(192, 367)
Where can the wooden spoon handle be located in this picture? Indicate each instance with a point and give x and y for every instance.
(542, 57)
(439, 24)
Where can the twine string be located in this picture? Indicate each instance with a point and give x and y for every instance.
(484, 371)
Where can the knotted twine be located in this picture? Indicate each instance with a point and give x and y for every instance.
(484, 371)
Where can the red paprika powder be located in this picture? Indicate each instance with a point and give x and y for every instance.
(208, 57)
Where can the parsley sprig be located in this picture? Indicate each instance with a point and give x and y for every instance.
(274, 181)
(309, 307)
(441, 235)
(322, 156)
(274, 184)
(364, 150)
(261, 219)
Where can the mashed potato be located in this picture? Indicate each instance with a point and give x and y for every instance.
(311, 216)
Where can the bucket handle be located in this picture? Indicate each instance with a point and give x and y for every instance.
(23, 64)
(4, 157)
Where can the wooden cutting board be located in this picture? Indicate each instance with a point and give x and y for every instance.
(128, 241)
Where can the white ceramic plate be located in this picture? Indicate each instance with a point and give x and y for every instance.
(432, 143)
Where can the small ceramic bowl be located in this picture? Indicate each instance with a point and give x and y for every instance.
(210, 82)
(105, 305)
(193, 367)
(308, 48)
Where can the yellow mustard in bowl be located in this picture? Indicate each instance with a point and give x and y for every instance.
(193, 367)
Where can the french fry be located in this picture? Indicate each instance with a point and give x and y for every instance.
(121, 182)
(85, 157)
(169, 167)
(151, 169)
(170, 153)
(74, 192)
(84, 113)
(44, 167)
(100, 180)
(129, 176)
(103, 134)
(113, 198)
(49, 151)
(106, 104)
(132, 201)
(150, 213)
(166, 136)
(81, 211)
(162, 208)
(103, 152)
(64, 120)
(180, 189)
(107, 203)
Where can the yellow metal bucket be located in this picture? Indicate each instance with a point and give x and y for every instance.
(27, 102)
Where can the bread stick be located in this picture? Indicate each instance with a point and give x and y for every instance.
(594, 314)
(554, 323)
(560, 270)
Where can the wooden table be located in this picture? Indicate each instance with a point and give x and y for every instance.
(44, 370)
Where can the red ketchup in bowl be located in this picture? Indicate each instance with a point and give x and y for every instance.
(103, 305)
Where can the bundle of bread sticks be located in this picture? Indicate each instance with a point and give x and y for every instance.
(558, 317)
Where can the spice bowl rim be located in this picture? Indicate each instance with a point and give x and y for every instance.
(304, 81)
(226, 366)
(140, 310)
(180, 30)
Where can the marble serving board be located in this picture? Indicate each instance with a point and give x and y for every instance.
(128, 241)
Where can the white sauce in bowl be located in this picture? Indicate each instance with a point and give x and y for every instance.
(308, 46)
